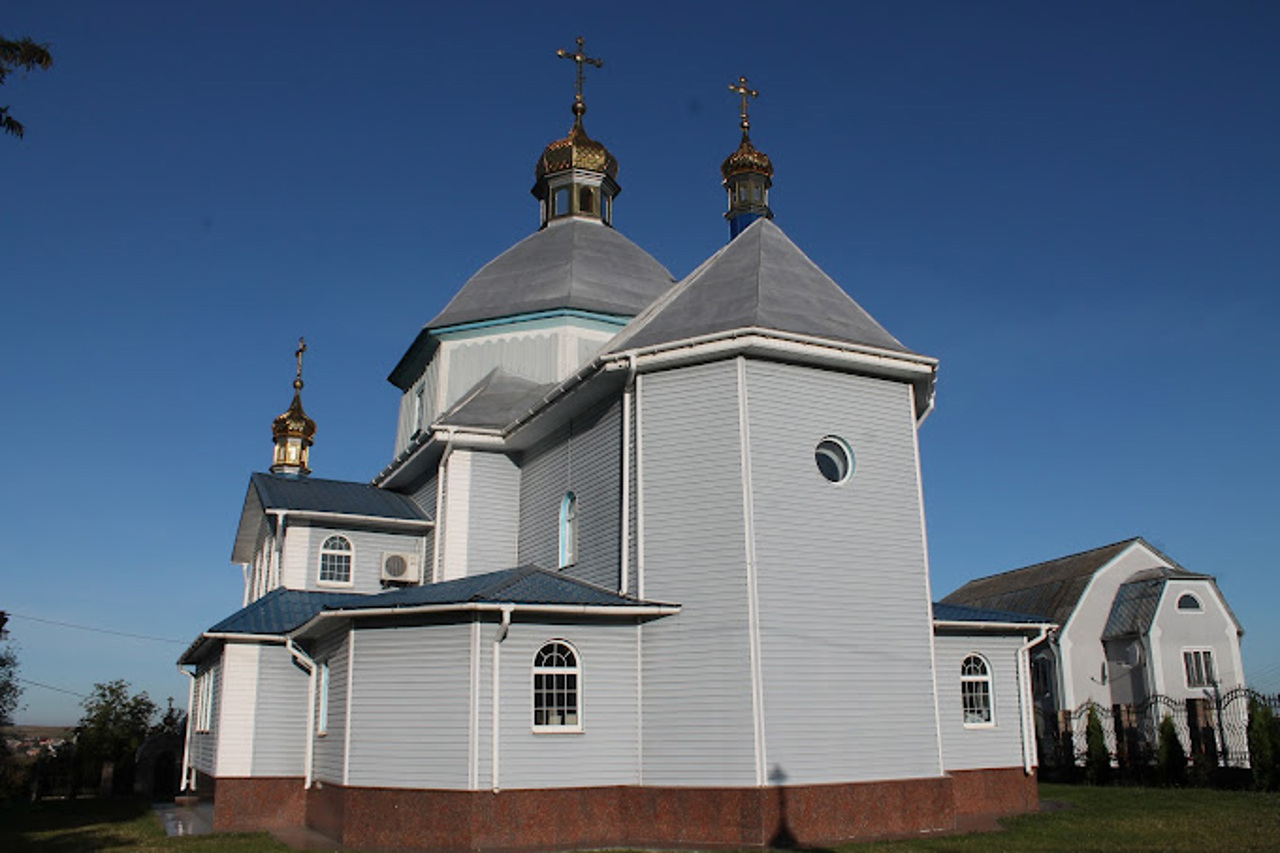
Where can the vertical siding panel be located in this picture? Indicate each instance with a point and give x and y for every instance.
(328, 762)
(603, 753)
(409, 707)
(980, 748)
(698, 722)
(280, 721)
(495, 506)
(236, 709)
(204, 745)
(544, 479)
(845, 619)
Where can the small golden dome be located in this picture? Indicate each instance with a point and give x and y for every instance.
(746, 159)
(577, 151)
(294, 422)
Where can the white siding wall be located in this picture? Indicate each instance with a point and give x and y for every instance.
(280, 718)
(204, 745)
(586, 459)
(455, 517)
(410, 701)
(302, 556)
(327, 764)
(845, 622)
(1176, 631)
(495, 510)
(979, 748)
(236, 709)
(605, 751)
(1083, 654)
(697, 695)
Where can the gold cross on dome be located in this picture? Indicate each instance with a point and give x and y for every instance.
(580, 57)
(745, 91)
(302, 348)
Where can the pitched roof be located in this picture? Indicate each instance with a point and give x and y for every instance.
(571, 263)
(340, 496)
(1133, 608)
(1049, 589)
(959, 613)
(759, 280)
(495, 401)
(275, 614)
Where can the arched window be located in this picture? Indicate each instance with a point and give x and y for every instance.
(569, 530)
(335, 560)
(975, 691)
(556, 684)
(560, 202)
(586, 200)
(1187, 601)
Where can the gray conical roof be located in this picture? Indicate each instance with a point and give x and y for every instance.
(572, 263)
(759, 280)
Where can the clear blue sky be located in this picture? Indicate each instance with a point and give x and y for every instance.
(1074, 206)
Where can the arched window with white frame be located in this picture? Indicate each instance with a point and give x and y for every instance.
(335, 560)
(568, 530)
(975, 691)
(557, 689)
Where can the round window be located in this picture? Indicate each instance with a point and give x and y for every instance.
(834, 459)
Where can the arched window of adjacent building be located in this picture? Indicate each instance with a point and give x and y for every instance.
(569, 530)
(335, 560)
(1187, 601)
(975, 691)
(557, 688)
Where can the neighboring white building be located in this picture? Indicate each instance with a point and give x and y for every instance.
(648, 568)
(1133, 624)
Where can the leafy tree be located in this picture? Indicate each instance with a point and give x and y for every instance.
(25, 54)
(114, 725)
(1097, 758)
(10, 690)
(172, 722)
(1171, 758)
(1264, 746)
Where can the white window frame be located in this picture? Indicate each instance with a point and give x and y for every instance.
(538, 704)
(569, 524)
(204, 702)
(349, 553)
(322, 703)
(1201, 664)
(983, 682)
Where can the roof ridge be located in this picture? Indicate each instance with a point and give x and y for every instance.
(511, 577)
(1056, 560)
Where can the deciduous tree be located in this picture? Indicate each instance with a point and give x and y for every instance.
(22, 54)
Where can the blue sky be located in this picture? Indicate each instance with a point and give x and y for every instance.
(1073, 206)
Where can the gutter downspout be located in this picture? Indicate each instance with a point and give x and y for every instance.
(507, 609)
(628, 390)
(310, 665)
(185, 784)
(1028, 714)
(438, 530)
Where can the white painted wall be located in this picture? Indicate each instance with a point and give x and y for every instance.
(980, 747)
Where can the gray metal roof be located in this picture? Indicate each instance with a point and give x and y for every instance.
(495, 401)
(276, 613)
(1050, 589)
(340, 496)
(522, 585)
(571, 263)
(1133, 608)
(959, 613)
(759, 280)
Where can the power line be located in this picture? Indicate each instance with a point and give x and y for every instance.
(51, 687)
(98, 630)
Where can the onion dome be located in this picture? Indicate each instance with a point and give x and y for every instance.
(577, 177)
(293, 432)
(747, 172)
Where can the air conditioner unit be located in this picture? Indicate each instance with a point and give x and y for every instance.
(401, 568)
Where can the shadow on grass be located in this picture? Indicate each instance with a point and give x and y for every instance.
(54, 826)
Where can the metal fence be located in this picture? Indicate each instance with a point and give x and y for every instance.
(1213, 731)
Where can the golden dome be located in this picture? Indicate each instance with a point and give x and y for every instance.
(294, 422)
(746, 159)
(577, 151)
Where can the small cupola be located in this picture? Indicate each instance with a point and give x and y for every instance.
(577, 176)
(747, 172)
(293, 432)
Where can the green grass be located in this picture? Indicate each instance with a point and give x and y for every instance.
(1124, 819)
(1100, 819)
(70, 826)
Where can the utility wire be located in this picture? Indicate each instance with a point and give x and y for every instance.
(98, 630)
(51, 687)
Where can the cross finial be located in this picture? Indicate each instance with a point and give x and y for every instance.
(580, 57)
(745, 91)
(302, 348)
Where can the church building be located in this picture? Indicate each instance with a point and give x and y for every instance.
(648, 568)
